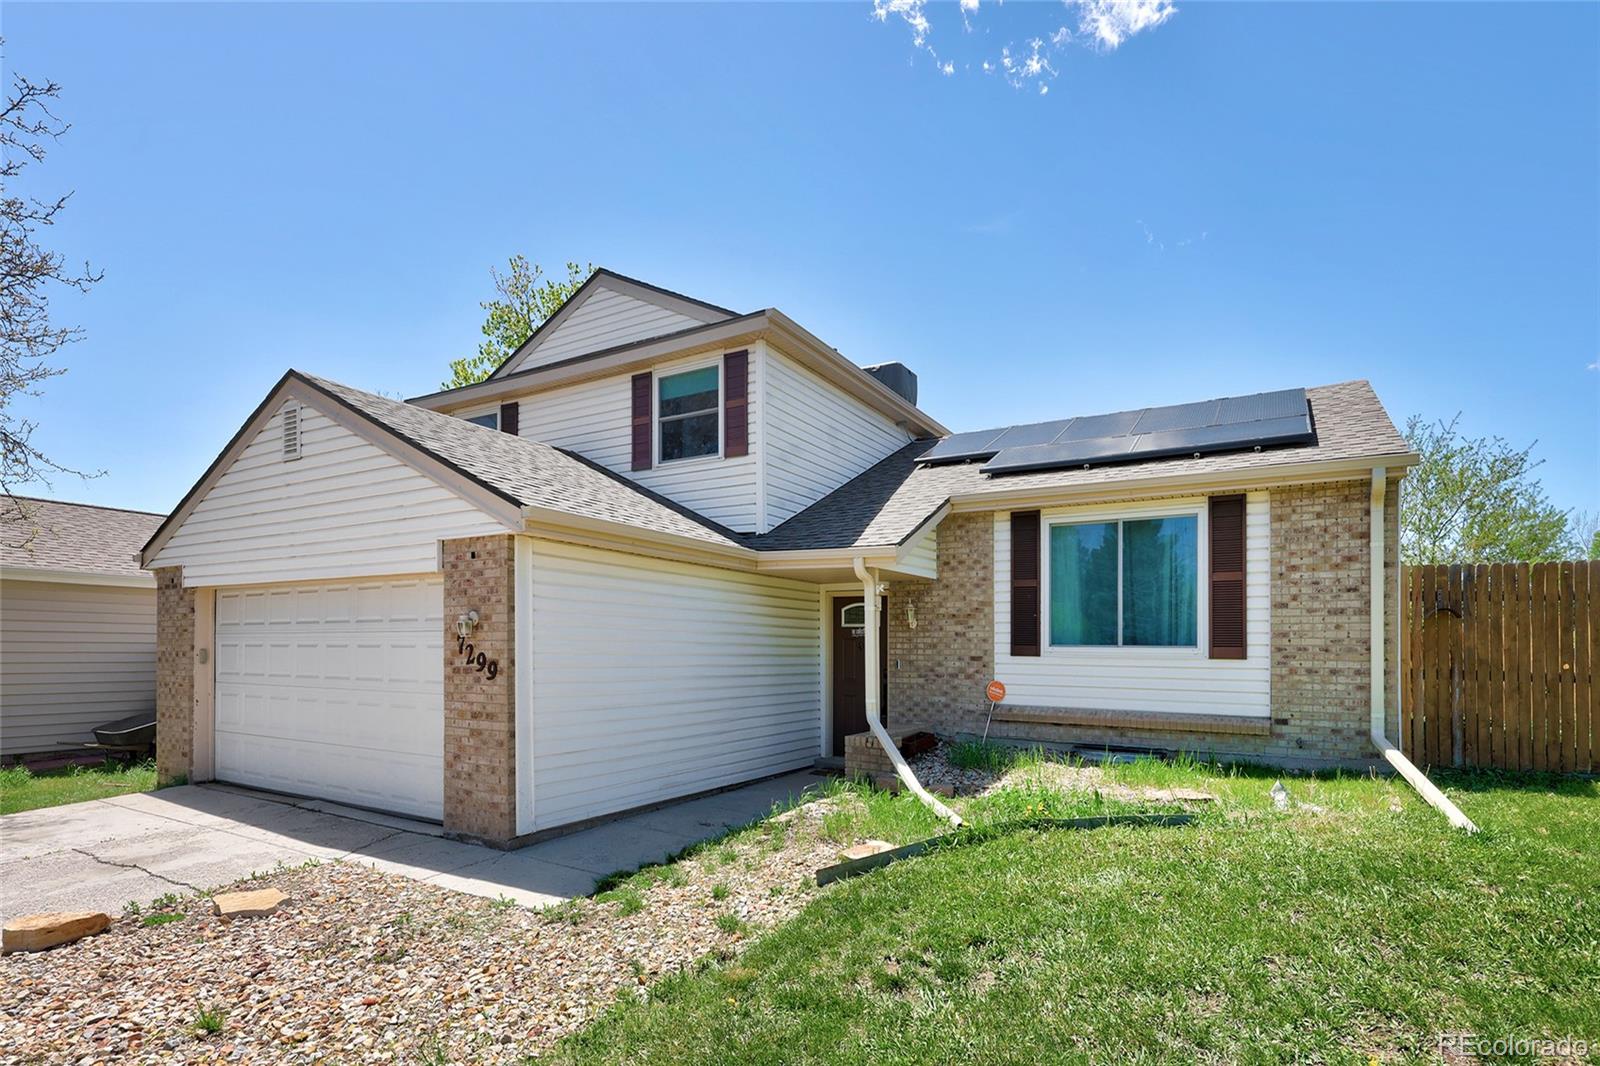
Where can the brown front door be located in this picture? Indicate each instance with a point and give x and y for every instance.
(850, 670)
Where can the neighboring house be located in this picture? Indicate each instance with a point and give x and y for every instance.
(77, 622)
(642, 559)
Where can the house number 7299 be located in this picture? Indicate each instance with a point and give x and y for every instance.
(473, 657)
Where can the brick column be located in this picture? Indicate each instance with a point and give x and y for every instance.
(174, 676)
(480, 750)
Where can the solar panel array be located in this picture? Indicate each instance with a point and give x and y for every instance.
(1263, 419)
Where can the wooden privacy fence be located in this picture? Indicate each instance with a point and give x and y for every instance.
(1497, 666)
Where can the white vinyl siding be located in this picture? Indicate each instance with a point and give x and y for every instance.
(922, 556)
(334, 690)
(605, 319)
(1175, 680)
(72, 657)
(817, 437)
(652, 679)
(345, 508)
(594, 419)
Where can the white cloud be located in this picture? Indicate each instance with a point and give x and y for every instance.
(1102, 25)
(1108, 23)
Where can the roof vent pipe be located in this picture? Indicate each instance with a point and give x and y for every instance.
(1404, 766)
(897, 378)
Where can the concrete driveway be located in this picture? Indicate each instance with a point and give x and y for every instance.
(101, 854)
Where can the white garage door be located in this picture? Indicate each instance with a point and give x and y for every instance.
(335, 691)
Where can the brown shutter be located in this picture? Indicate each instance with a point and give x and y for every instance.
(641, 422)
(509, 418)
(1024, 582)
(1227, 577)
(736, 404)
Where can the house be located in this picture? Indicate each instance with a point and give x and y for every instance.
(668, 548)
(77, 622)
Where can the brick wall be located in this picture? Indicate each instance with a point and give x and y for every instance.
(1320, 570)
(174, 676)
(937, 671)
(480, 762)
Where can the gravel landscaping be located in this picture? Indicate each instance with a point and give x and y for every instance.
(361, 966)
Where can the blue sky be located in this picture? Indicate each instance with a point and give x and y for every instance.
(1244, 197)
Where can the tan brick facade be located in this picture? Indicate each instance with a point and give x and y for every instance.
(1321, 573)
(480, 762)
(174, 677)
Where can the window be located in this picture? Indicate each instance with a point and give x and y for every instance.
(1129, 583)
(853, 616)
(488, 421)
(686, 413)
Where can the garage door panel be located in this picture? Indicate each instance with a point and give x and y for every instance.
(334, 691)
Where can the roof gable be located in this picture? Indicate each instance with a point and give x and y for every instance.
(609, 310)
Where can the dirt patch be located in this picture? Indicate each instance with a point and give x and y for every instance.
(360, 966)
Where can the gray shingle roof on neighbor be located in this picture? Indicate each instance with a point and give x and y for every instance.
(888, 502)
(879, 508)
(74, 538)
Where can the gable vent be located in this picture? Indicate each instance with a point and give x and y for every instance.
(291, 431)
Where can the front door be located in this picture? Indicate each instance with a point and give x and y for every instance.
(850, 669)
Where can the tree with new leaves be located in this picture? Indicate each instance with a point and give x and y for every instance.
(1474, 500)
(29, 274)
(526, 298)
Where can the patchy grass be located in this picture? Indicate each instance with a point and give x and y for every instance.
(23, 790)
(162, 918)
(1356, 925)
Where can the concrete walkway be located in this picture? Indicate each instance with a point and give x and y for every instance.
(101, 854)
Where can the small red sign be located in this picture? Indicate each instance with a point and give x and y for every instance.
(996, 691)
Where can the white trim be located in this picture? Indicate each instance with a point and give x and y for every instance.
(143, 580)
(522, 680)
(1119, 515)
(656, 378)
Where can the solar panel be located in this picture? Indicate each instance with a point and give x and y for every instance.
(1263, 419)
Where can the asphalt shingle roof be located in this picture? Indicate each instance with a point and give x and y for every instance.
(887, 503)
(879, 508)
(527, 471)
(72, 537)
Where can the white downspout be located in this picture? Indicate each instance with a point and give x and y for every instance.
(1395, 757)
(874, 671)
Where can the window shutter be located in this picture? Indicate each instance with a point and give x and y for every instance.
(1227, 577)
(508, 418)
(736, 404)
(1024, 582)
(641, 421)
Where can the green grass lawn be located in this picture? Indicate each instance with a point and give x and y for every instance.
(1358, 930)
(21, 790)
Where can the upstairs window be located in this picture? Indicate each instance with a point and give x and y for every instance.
(1129, 583)
(488, 421)
(687, 407)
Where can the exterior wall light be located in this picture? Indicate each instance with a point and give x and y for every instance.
(911, 616)
(465, 623)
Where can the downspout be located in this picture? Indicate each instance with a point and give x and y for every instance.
(1392, 754)
(874, 671)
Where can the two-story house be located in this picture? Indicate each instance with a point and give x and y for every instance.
(667, 548)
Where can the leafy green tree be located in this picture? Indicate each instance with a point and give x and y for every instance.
(526, 298)
(1474, 500)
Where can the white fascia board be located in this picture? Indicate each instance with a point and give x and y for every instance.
(1210, 481)
(77, 577)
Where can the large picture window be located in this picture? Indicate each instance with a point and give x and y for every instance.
(686, 413)
(1131, 582)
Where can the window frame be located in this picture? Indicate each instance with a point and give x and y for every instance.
(720, 411)
(1098, 516)
(477, 419)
